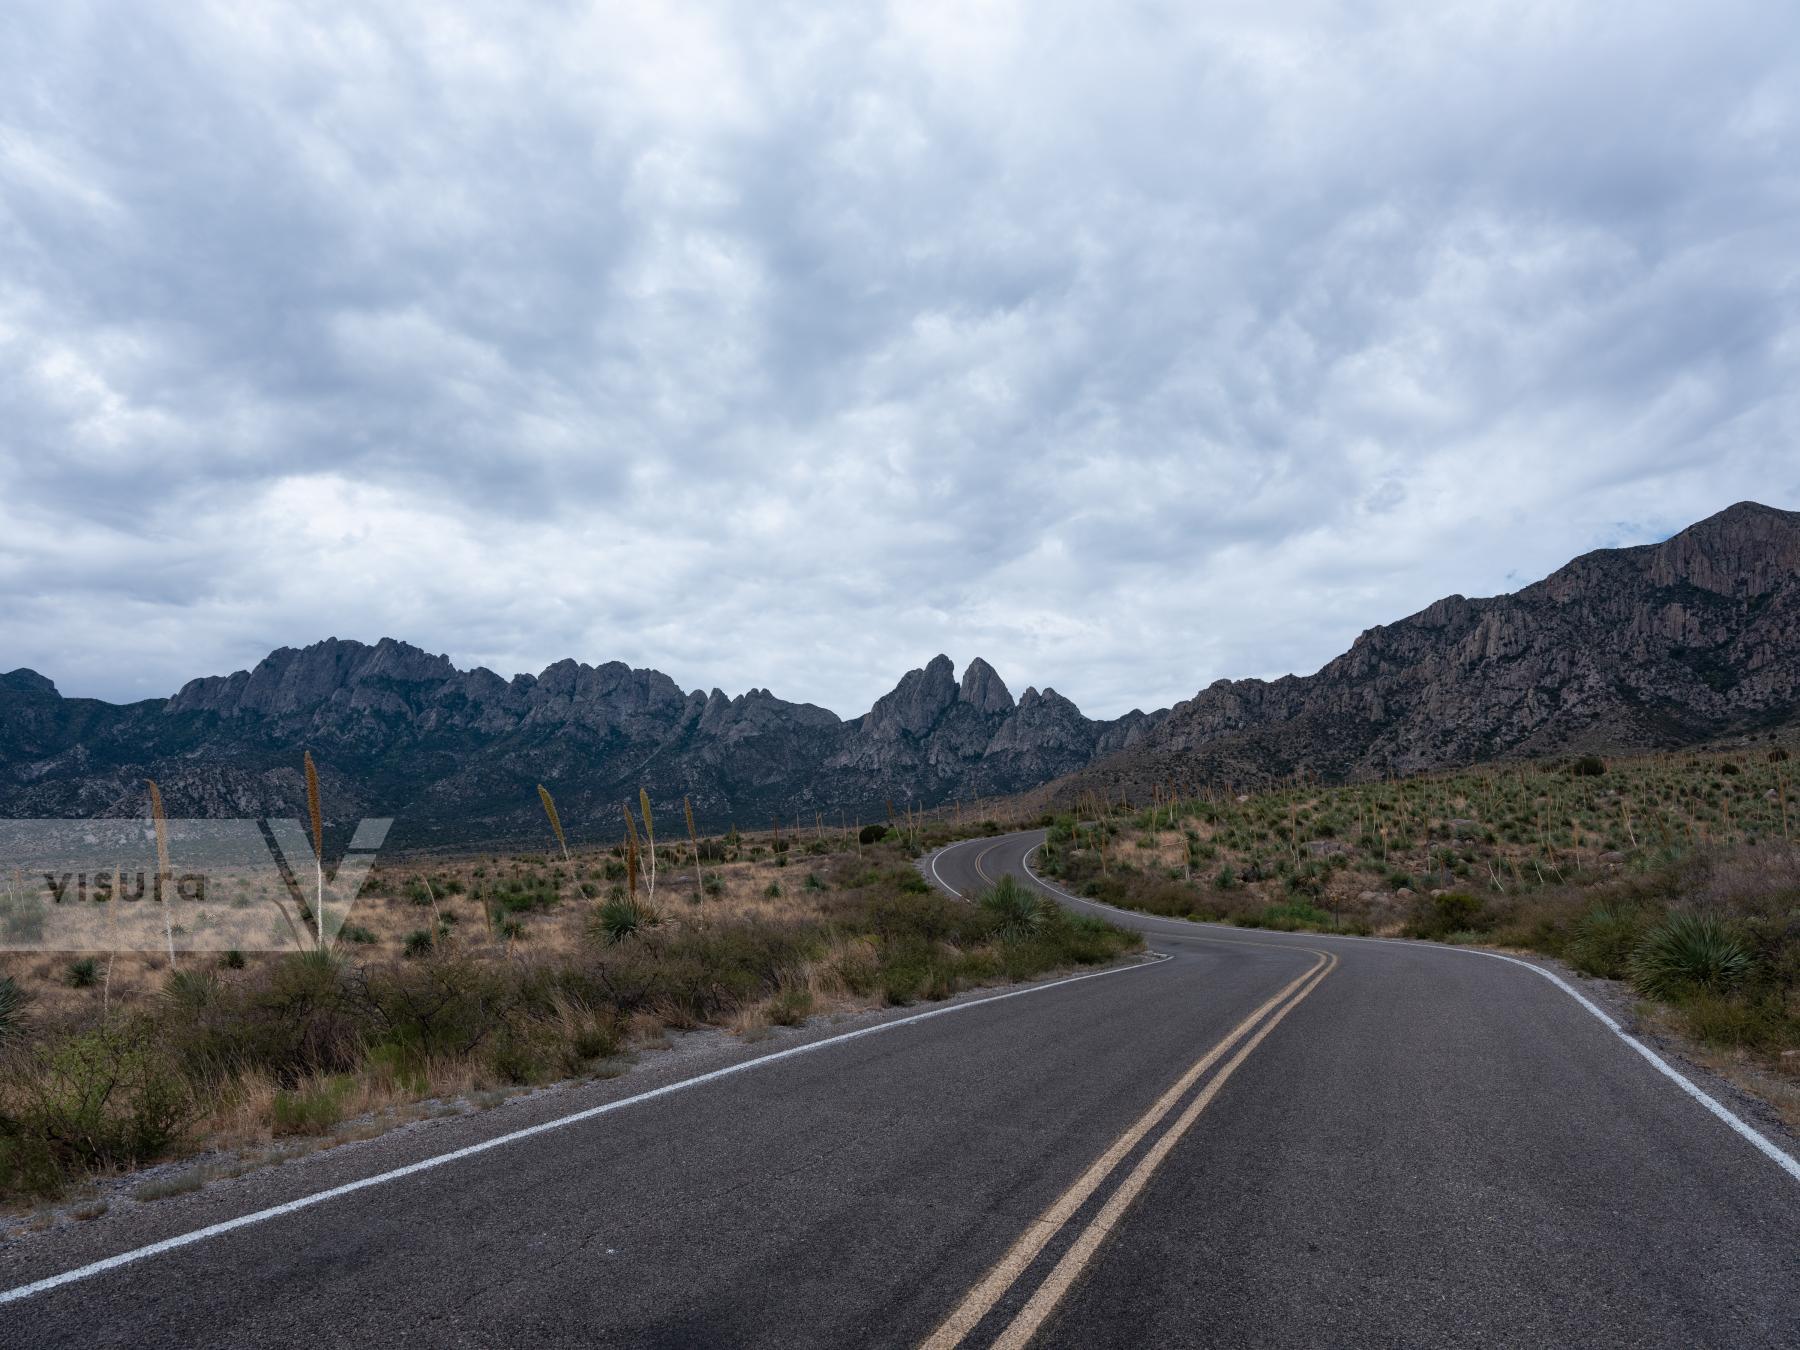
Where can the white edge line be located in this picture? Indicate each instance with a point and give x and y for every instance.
(1749, 1133)
(934, 872)
(543, 1127)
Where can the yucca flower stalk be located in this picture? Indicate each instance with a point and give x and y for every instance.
(650, 836)
(164, 874)
(631, 854)
(694, 839)
(317, 818)
(555, 820)
(118, 889)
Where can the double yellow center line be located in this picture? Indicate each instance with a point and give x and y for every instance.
(980, 1300)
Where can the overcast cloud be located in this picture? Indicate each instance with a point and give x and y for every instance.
(787, 345)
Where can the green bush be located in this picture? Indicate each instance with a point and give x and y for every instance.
(872, 834)
(1016, 911)
(1604, 939)
(1689, 953)
(83, 973)
(108, 1097)
(1436, 918)
(312, 1107)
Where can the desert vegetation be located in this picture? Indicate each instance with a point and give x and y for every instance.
(457, 980)
(1678, 873)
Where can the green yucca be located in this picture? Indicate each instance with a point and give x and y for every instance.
(1017, 912)
(617, 920)
(1690, 951)
(555, 820)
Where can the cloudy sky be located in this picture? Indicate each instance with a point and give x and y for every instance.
(1129, 346)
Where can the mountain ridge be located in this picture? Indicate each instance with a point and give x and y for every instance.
(1651, 646)
(456, 753)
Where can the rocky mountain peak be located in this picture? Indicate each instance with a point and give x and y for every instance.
(916, 703)
(26, 681)
(983, 687)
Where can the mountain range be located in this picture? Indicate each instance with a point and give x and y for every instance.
(1655, 646)
(455, 755)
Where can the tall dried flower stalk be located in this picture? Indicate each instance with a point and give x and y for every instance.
(650, 836)
(318, 837)
(555, 820)
(165, 875)
(694, 839)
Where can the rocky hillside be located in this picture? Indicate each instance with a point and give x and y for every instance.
(456, 755)
(1635, 648)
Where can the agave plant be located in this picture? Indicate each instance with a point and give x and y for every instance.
(1689, 951)
(1017, 912)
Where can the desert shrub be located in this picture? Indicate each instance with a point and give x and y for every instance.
(106, 1097)
(1751, 1023)
(22, 919)
(12, 1007)
(791, 1004)
(232, 960)
(706, 973)
(1288, 917)
(1016, 912)
(440, 1008)
(872, 834)
(713, 884)
(300, 1017)
(83, 973)
(1587, 766)
(418, 943)
(310, 1107)
(1604, 938)
(1438, 917)
(1688, 953)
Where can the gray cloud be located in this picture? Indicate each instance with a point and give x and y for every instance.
(777, 346)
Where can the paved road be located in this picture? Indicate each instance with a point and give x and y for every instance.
(1261, 1139)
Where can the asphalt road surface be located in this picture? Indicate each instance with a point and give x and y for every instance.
(1257, 1139)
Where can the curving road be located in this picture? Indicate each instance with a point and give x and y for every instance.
(1256, 1139)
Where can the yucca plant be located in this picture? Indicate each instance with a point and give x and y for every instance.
(1017, 912)
(555, 820)
(617, 920)
(1689, 952)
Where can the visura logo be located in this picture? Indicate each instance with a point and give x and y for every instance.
(178, 885)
